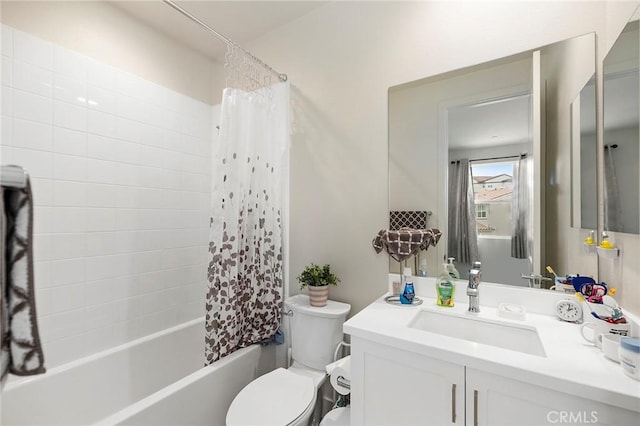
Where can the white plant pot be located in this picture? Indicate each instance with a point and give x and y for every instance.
(318, 295)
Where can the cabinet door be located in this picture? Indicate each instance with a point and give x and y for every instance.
(398, 387)
(495, 400)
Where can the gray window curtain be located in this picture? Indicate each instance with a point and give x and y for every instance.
(463, 236)
(521, 204)
(612, 212)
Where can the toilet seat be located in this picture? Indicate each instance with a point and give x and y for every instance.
(277, 398)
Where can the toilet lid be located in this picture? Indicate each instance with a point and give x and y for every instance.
(277, 398)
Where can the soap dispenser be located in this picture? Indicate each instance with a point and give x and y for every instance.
(446, 286)
(451, 269)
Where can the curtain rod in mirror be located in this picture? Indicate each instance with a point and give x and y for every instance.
(506, 157)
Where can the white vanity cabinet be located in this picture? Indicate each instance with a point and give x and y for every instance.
(492, 399)
(393, 386)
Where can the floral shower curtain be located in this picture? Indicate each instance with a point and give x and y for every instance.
(245, 274)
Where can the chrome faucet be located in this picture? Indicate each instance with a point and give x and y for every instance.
(472, 288)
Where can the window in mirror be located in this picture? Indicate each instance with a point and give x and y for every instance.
(493, 189)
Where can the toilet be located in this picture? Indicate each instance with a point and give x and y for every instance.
(288, 396)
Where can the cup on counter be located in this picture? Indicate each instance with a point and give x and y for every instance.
(592, 330)
(610, 344)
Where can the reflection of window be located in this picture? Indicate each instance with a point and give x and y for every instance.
(493, 187)
(481, 211)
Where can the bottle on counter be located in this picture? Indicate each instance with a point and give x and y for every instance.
(445, 287)
(408, 292)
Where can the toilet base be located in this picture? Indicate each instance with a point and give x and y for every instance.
(337, 417)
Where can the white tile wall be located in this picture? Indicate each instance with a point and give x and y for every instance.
(120, 170)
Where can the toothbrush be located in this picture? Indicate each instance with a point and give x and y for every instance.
(582, 299)
(558, 280)
(551, 271)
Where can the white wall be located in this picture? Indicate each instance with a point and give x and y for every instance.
(341, 60)
(104, 32)
(120, 169)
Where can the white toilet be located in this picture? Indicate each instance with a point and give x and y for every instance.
(288, 396)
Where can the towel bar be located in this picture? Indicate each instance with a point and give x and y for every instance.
(13, 176)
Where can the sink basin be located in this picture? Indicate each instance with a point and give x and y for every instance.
(496, 333)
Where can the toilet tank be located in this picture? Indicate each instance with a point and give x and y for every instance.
(315, 332)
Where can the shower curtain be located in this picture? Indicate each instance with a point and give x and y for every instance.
(245, 273)
(521, 204)
(463, 236)
(612, 212)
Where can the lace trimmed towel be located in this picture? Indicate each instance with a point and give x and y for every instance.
(20, 348)
(405, 242)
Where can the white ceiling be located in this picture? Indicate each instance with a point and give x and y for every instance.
(490, 123)
(241, 21)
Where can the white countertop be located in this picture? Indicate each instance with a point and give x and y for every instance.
(571, 365)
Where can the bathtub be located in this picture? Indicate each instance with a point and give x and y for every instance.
(155, 380)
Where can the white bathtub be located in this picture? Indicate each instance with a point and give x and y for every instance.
(155, 380)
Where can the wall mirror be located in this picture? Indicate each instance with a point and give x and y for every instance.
(621, 136)
(489, 118)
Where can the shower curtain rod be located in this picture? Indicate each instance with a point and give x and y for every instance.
(282, 77)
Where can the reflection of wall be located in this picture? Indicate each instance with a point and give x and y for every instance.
(498, 218)
(497, 264)
(588, 179)
(625, 158)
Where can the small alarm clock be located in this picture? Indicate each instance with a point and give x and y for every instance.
(569, 310)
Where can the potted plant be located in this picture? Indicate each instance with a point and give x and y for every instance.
(317, 279)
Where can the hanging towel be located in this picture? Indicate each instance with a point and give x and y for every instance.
(20, 349)
(399, 219)
(405, 242)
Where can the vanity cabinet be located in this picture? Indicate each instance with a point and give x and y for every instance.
(404, 388)
(492, 399)
(391, 386)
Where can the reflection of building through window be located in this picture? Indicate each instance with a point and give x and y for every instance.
(493, 189)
